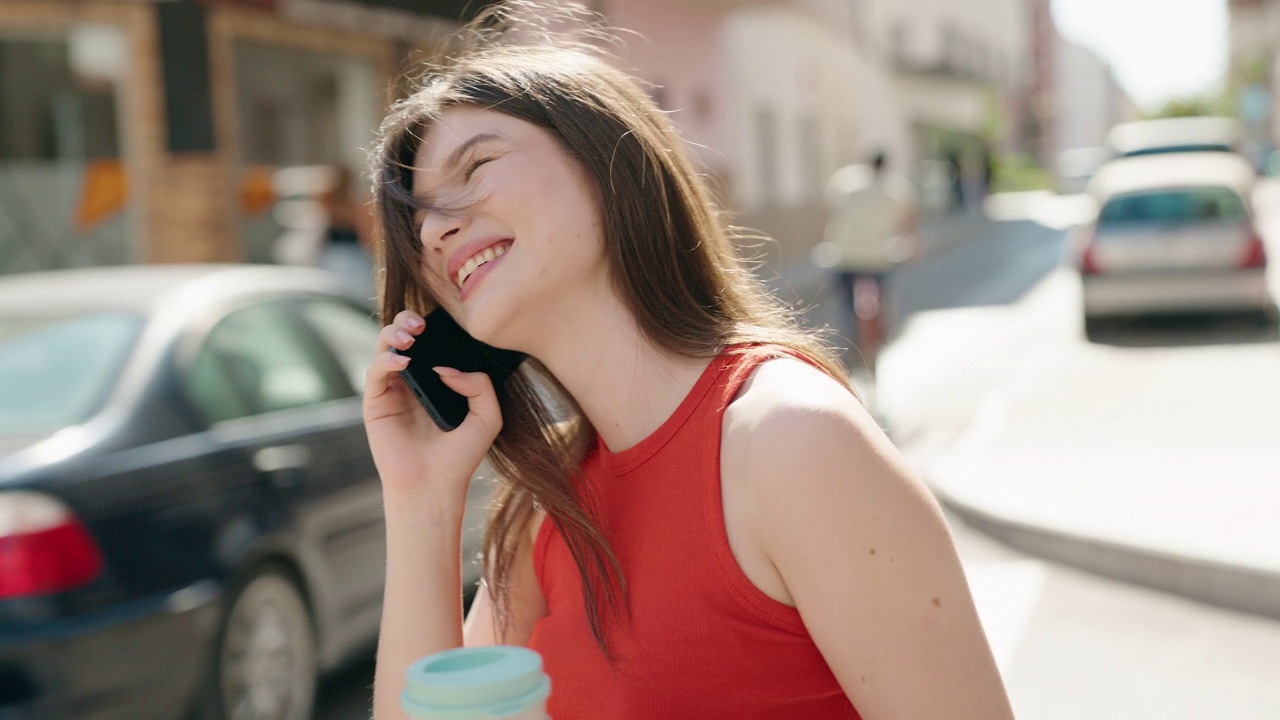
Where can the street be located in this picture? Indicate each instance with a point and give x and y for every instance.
(995, 318)
(993, 374)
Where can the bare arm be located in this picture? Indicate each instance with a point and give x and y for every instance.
(527, 601)
(422, 608)
(424, 473)
(422, 602)
(867, 559)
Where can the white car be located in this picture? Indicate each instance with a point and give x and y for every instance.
(1173, 233)
(1169, 135)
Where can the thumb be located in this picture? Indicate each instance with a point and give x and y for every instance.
(477, 388)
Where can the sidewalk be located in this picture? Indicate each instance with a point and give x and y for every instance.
(1159, 467)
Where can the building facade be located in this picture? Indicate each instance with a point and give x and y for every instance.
(962, 72)
(1090, 100)
(774, 96)
(1255, 72)
(1038, 122)
(150, 131)
(156, 130)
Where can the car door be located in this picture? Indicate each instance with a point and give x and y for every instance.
(351, 332)
(275, 396)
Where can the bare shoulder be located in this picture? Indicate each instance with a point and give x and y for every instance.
(791, 407)
(795, 437)
(834, 522)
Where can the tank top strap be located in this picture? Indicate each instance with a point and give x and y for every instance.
(737, 364)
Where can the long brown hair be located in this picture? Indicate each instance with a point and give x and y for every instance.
(672, 256)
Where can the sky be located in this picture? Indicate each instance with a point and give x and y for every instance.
(1160, 49)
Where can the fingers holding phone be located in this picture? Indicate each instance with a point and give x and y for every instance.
(384, 394)
(430, 406)
(477, 389)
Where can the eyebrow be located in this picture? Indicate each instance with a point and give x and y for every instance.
(456, 156)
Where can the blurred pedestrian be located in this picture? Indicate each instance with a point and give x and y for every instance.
(988, 172)
(720, 530)
(955, 170)
(872, 228)
(344, 249)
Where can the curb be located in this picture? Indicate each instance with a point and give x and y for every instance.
(1244, 589)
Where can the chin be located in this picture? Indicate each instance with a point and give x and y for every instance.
(490, 323)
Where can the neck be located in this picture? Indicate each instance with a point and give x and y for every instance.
(626, 386)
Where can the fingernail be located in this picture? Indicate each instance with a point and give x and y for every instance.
(447, 372)
(417, 322)
(399, 359)
(403, 336)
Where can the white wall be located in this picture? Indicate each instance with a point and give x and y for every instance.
(818, 77)
(786, 68)
(678, 47)
(1086, 97)
(994, 44)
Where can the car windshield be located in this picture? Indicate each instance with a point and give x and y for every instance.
(1174, 206)
(56, 372)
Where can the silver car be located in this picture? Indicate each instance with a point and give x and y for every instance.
(1174, 233)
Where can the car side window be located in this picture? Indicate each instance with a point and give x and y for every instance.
(213, 391)
(259, 360)
(350, 332)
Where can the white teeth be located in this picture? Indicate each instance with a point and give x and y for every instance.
(470, 266)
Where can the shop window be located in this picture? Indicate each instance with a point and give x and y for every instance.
(301, 114)
(64, 193)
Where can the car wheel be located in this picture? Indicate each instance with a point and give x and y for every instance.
(265, 666)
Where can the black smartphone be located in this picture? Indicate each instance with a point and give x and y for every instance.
(443, 342)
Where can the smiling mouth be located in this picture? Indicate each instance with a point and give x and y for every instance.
(479, 260)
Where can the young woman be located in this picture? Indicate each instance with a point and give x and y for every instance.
(720, 530)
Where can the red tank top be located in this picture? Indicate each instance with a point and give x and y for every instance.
(700, 640)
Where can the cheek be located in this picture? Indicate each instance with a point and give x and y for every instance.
(437, 284)
(556, 213)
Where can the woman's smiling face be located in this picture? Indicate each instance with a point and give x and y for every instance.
(518, 228)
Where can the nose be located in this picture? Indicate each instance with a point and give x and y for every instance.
(439, 227)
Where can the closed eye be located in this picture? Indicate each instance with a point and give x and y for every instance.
(475, 165)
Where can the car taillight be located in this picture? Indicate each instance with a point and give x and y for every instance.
(44, 549)
(1255, 254)
(1088, 261)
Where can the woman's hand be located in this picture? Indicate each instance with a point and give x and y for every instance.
(413, 456)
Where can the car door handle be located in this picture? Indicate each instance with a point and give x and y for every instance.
(282, 457)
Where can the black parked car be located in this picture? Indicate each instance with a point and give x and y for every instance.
(190, 520)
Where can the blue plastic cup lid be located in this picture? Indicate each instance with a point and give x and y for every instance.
(475, 683)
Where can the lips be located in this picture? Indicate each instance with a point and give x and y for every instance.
(474, 255)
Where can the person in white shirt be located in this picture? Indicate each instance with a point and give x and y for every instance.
(871, 230)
